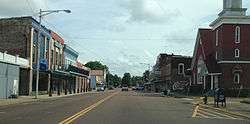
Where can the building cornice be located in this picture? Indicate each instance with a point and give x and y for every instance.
(230, 20)
(234, 62)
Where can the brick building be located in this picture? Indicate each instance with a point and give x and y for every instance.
(19, 36)
(222, 55)
(58, 62)
(171, 73)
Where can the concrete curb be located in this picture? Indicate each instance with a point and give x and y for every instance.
(30, 100)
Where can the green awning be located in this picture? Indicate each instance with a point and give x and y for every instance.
(78, 74)
(60, 74)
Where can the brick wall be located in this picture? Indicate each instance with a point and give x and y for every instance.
(15, 35)
(228, 45)
(228, 76)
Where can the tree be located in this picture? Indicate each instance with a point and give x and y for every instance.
(117, 81)
(96, 65)
(126, 80)
(136, 80)
(146, 76)
(113, 80)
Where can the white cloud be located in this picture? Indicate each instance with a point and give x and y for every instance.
(21, 7)
(149, 11)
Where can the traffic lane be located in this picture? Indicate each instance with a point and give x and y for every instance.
(49, 111)
(129, 108)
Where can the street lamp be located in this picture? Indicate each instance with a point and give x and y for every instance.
(42, 14)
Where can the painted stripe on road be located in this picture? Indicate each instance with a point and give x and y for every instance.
(217, 113)
(202, 115)
(195, 111)
(86, 110)
(206, 113)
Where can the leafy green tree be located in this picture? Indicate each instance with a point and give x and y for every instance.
(136, 80)
(113, 80)
(126, 80)
(96, 65)
(117, 81)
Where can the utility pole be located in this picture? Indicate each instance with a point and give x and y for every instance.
(41, 14)
(38, 53)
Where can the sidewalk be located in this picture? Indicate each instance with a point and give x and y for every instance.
(27, 99)
(234, 105)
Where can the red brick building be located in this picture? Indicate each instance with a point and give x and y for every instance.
(222, 55)
(170, 72)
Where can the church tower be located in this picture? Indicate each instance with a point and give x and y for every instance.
(233, 8)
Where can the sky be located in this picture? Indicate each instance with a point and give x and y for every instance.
(126, 35)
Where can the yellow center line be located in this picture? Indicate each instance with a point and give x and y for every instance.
(84, 111)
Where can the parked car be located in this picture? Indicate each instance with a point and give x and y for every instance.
(100, 89)
(134, 88)
(125, 88)
(139, 88)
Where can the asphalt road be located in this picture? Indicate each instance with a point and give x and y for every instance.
(108, 108)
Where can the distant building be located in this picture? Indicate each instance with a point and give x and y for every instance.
(222, 54)
(170, 72)
(98, 77)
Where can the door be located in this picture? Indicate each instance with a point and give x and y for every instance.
(3, 81)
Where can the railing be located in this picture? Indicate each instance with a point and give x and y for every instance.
(4, 57)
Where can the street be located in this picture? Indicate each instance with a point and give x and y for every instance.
(108, 108)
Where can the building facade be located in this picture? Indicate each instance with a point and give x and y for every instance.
(58, 72)
(19, 36)
(79, 81)
(171, 72)
(98, 77)
(10, 76)
(221, 55)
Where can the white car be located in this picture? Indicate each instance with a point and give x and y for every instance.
(124, 88)
(100, 89)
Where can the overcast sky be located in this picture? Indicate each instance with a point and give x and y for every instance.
(123, 33)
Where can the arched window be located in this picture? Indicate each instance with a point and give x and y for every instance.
(216, 55)
(217, 38)
(181, 69)
(237, 34)
(237, 53)
(237, 78)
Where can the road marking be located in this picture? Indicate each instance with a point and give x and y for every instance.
(206, 113)
(188, 99)
(217, 113)
(2, 112)
(195, 111)
(202, 115)
(84, 111)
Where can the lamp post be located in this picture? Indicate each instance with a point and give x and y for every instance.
(42, 14)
